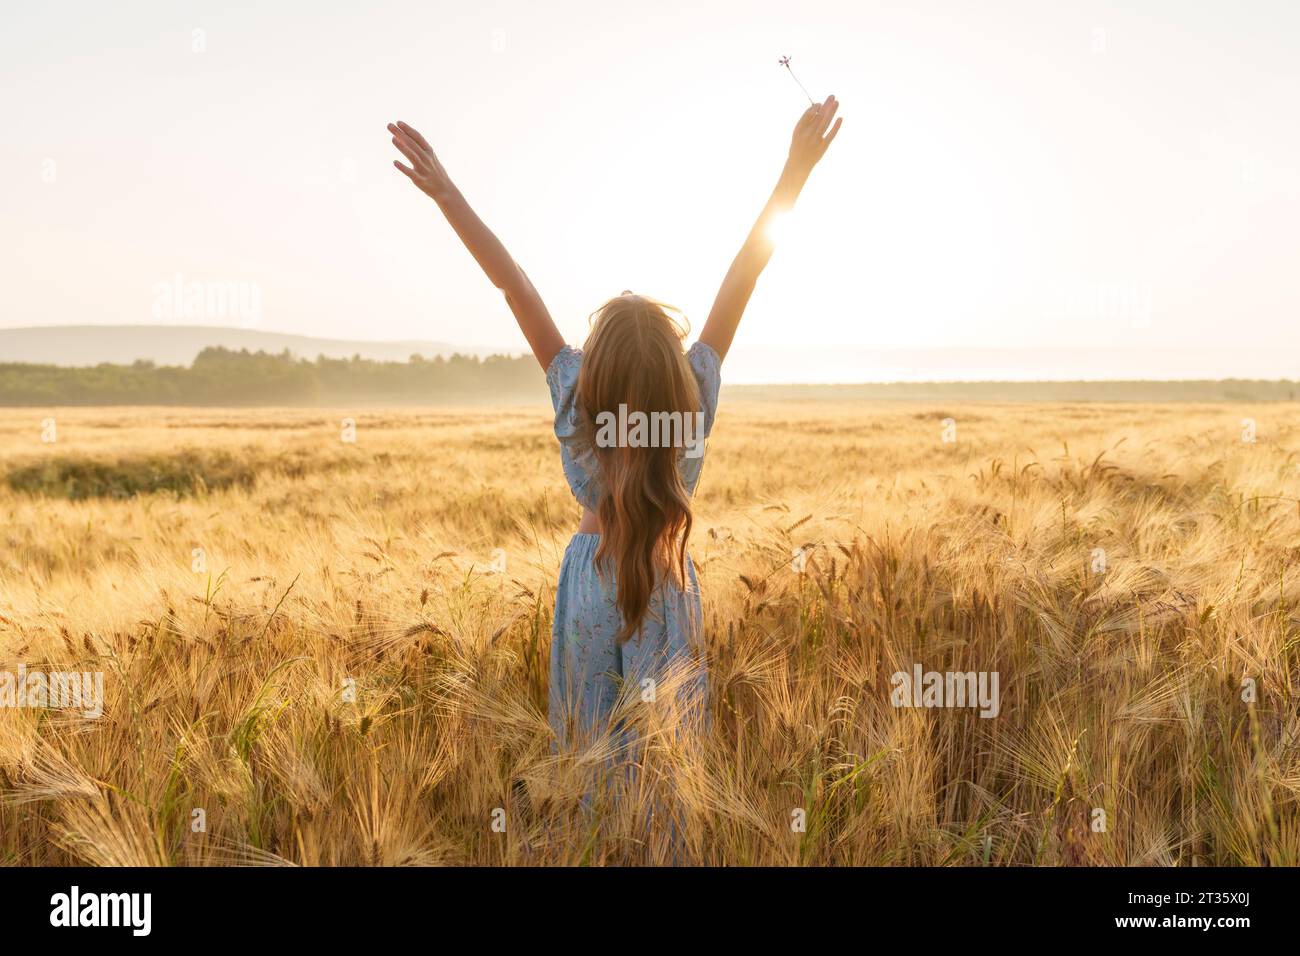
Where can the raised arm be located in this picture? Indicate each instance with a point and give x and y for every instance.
(807, 146)
(529, 310)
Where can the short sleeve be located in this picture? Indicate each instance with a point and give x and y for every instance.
(708, 372)
(577, 457)
(707, 367)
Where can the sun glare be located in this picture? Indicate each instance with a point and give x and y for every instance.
(778, 227)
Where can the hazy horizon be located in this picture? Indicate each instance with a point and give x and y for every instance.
(178, 345)
(1013, 177)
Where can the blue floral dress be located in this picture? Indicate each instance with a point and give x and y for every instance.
(589, 668)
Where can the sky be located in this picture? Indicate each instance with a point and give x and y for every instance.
(1032, 176)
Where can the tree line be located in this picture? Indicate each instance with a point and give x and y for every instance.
(220, 376)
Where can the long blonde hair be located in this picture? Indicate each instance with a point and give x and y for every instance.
(633, 357)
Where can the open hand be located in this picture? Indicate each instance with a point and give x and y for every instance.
(811, 139)
(425, 170)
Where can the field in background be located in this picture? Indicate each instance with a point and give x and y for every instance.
(310, 641)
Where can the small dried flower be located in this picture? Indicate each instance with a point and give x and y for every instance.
(785, 62)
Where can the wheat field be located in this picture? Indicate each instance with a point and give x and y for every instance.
(318, 651)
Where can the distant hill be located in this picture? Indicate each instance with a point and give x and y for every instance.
(79, 345)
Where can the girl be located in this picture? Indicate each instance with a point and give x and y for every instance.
(628, 603)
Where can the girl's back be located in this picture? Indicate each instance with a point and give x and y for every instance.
(640, 430)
